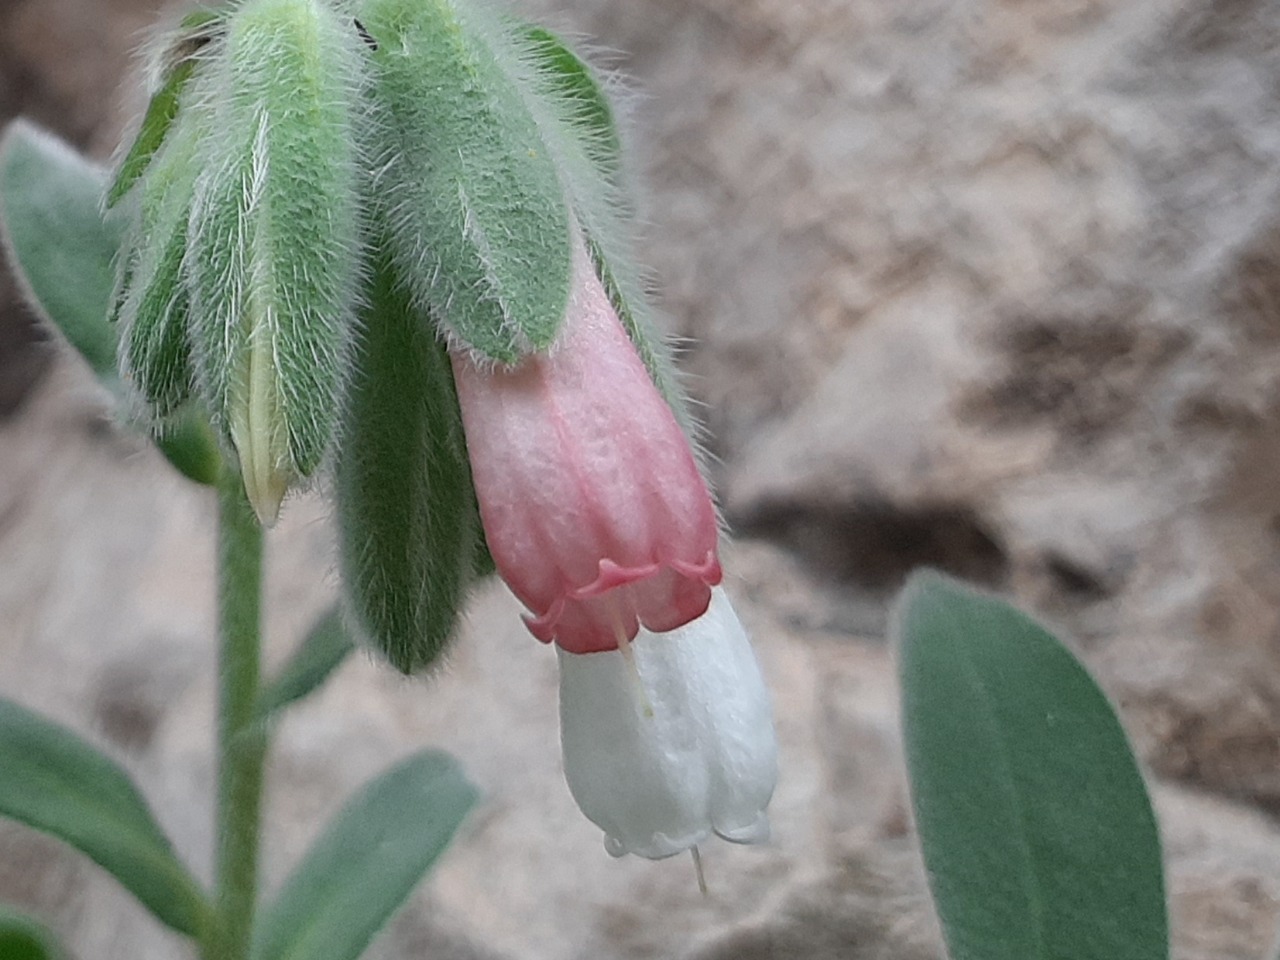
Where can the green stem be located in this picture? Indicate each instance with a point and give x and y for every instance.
(241, 740)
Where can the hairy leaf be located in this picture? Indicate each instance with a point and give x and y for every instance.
(479, 220)
(408, 523)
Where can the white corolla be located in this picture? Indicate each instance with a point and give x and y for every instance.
(662, 752)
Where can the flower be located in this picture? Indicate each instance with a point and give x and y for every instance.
(592, 504)
(663, 752)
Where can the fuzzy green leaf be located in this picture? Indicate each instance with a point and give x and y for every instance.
(152, 306)
(572, 82)
(57, 241)
(321, 652)
(408, 524)
(1037, 830)
(57, 783)
(198, 28)
(155, 127)
(367, 863)
(274, 246)
(157, 354)
(479, 218)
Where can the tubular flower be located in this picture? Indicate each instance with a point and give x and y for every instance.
(661, 754)
(593, 507)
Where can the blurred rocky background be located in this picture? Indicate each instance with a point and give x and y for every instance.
(991, 285)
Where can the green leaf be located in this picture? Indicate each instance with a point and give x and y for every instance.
(189, 444)
(571, 81)
(22, 938)
(62, 252)
(160, 114)
(275, 242)
(321, 652)
(56, 238)
(367, 862)
(479, 218)
(1038, 834)
(198, 28)
(408, 524)
(152, 307)
(203, 18)
(56, 782)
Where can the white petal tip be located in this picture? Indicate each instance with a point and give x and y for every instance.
(657, 847)
(755, 832)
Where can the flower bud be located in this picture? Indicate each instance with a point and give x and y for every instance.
(688, 751)
(274, 244)
(592, 504)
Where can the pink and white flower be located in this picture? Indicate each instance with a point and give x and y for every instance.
(599, 520)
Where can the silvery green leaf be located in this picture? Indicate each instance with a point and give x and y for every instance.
(1036, 826)
(56, 782)
(275, 242)
(62, 250)
(479, 219)
(366, 863)
(60, 247)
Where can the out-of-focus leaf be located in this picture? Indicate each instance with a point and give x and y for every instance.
(58, 243)
(1037, 831)
(189, 444)
(62, 250)
(22, 938)
(367, 862)
(53, 781)
(321, 652)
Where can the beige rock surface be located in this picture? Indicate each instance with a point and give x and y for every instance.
(990, 286)
(125, 656)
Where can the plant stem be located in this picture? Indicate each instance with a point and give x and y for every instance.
(241, 740)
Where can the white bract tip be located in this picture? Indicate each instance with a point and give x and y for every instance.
(687, 752)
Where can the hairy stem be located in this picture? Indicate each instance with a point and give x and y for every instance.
(241, 739)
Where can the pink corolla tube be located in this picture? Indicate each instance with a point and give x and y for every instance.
(594, 509)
